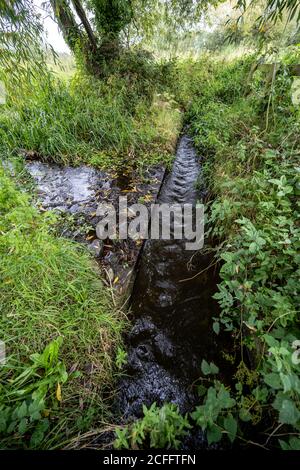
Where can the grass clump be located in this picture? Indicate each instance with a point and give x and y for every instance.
(51, 297)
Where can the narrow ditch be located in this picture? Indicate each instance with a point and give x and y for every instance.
(171, 306)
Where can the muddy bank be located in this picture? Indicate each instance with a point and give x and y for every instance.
(171, 307)
(75, 194)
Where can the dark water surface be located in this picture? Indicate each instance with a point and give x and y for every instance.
(171, 315)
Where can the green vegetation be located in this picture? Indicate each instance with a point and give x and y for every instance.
(93, 122)
(50, 294)
(122, 105)
(159, 428)
(248, 130)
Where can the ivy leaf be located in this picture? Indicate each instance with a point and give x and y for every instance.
(213, 368)
(201, 390)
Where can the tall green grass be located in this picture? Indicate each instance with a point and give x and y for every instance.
(50, 288)
(87, 120)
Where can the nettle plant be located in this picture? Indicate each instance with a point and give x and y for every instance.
(159, 428)
(216, 415)
(259, 294)
(253, 172)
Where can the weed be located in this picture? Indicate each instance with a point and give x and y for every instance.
(159, 428)
(250, 137)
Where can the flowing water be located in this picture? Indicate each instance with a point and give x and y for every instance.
(171, 307)
(66, 188)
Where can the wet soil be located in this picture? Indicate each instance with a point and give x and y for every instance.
(75, 194)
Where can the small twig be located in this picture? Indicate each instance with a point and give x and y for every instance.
(278, 318)
(124, 303)
(287, 434)
(253, 443)
(77, 441)
(198, 274)
(111, 287)
(273, 433)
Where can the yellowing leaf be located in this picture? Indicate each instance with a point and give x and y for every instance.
(58, 392)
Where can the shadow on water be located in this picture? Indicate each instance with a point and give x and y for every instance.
(171, 307)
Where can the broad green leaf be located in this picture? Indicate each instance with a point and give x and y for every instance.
(289, 414)
(230, 425)
(205, 367)
(214, 434)
(244, 415)
(273, 380)
(22, 410)
(216, 327)
(22, 426)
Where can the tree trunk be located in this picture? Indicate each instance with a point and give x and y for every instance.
(66, 22)
(81, 13)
